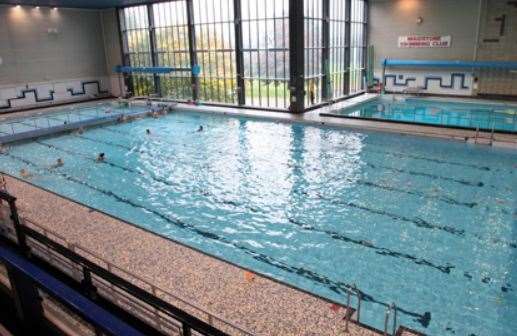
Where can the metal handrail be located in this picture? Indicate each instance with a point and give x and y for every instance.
(154, 290)
(391, 310)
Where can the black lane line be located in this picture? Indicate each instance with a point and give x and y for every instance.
(445, 199)
(424, 158)
(416, 221)
(379, 250)
(156, 179)
(338, 287)
(432, 176)
(332, 234)
(371, 165)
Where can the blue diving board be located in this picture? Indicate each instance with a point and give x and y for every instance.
(149, 70)
(449, 64)
(90, 311)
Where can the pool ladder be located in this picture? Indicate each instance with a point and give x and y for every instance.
(490, 140)
(391, 312)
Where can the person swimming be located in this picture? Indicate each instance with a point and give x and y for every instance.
(4, 149)
(59, 163)
(25, 173)
(100, 157)
(148, 131)
(200, 129)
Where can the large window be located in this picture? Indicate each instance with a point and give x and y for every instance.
(357, 45)
(215, 48)
(265, 40)
(244, 49)
(136, 41)
(313, 20)
(338, 48)
(172, 48)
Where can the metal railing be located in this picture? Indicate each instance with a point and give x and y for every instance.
(156, 307)
(12, 126)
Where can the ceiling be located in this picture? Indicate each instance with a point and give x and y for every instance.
(94, 4)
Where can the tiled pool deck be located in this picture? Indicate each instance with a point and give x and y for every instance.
(256, 304)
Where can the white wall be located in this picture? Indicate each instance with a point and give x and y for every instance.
(112, 48)
(459, 19)
(390, 19)
(50, 50)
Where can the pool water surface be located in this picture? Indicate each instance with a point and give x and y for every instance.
(469, 115)
(427, 224)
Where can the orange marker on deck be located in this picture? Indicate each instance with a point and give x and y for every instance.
(335, 307)
(249, 276)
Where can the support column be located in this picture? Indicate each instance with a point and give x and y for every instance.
(192, 49)
(364, 77)
(296, 56)
(348, 32)
(154, 54)
(325, 52)
(127, 80)
(239, 57)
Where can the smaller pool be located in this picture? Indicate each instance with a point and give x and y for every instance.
(471, 115)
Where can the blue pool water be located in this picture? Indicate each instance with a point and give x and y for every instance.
(436, 112)
(427, 224)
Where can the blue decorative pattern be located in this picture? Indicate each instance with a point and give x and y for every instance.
(38, 99)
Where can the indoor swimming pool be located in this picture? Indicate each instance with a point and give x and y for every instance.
(470, 115)
(427, 224)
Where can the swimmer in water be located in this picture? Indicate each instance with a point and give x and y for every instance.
(121, 118)
(3, 149)
(25, 173)
(200, 129)
(100, 157)
(80, 130)
(148, 131)
(59, 163)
